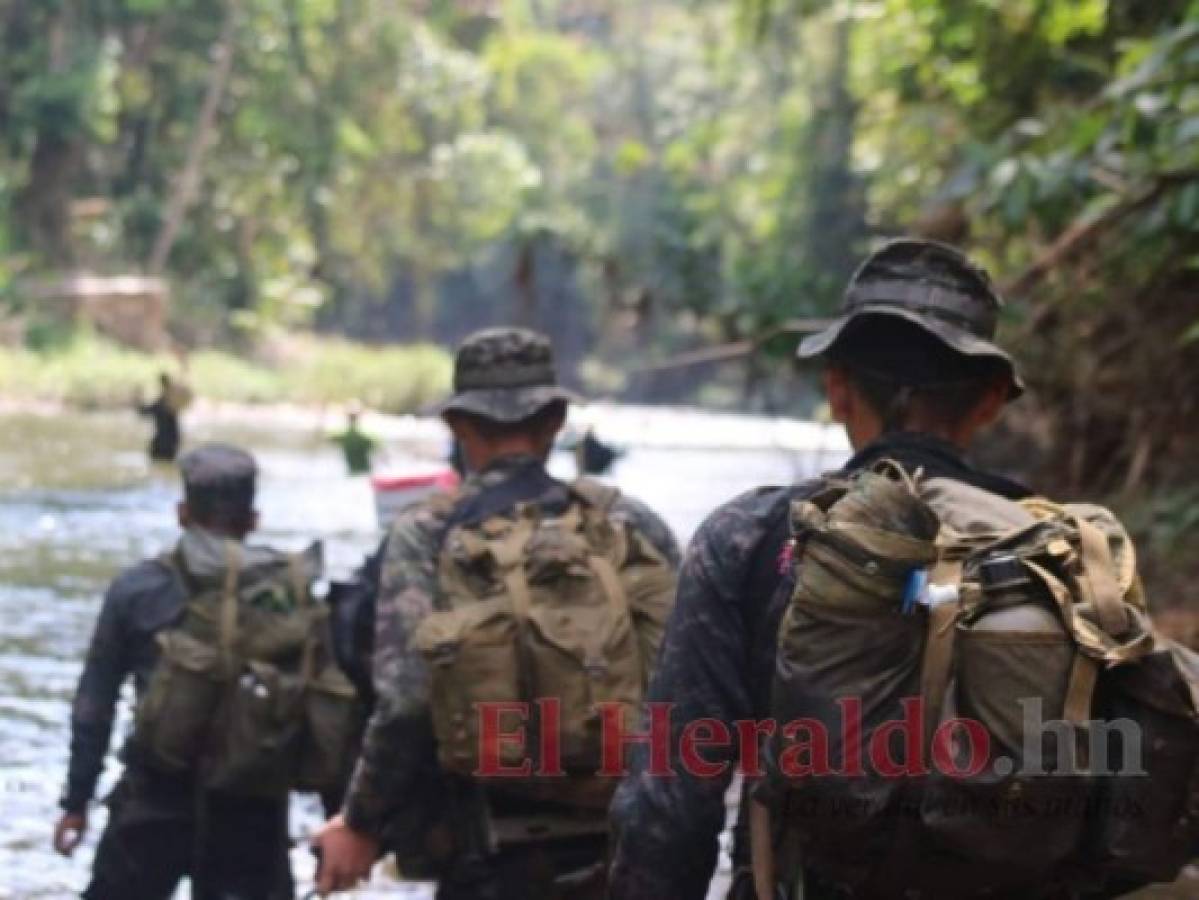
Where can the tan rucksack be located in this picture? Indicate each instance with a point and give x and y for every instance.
(569, 607)
(1028, 603)
(246, 693)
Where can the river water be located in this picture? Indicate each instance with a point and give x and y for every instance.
(78, 502)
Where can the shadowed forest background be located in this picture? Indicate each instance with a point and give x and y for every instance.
(663, 186)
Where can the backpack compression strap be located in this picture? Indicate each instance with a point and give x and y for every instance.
(227, 626)
(937, 664)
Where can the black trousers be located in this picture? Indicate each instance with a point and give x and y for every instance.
(563, 869)
(160, 830)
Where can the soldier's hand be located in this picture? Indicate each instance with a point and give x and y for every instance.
(69, 832)
(346, 856)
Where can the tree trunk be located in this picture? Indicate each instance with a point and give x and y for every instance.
(43, 205)
(187, 184)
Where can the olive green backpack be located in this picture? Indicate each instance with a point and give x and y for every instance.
(246, 692)
(930, 591)
(532, 607)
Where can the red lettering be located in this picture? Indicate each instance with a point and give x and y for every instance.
(978, 745)
(549, 738)
(815, 748)
(851, 736)
(492, 740)
(615, 738)
(911, 729)
(703, 733)
(749, 744)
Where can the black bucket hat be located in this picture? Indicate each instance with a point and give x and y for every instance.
(932, 286)
(506, 375)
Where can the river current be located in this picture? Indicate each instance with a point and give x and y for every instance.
(78, 502)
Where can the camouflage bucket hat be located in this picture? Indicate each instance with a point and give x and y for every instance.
(932, 286)
(506, 375)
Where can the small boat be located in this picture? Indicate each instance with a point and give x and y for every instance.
(395, 491)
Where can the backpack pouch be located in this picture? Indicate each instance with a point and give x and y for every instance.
(1147, 827)
(256, 741)
(1004, 802)
(181, 699)
(332, 723)
(583, 653)
(826, 655)
(473, 656)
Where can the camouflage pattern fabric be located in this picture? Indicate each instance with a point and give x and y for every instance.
(399, 745)
(932, 286)
(717, 661)
(506, 375)
(667, 828)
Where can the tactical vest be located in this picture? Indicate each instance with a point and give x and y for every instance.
(245, 693)
(920, 602)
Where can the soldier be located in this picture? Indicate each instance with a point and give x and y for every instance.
(913, 374)
(160, 828)
(505, 413)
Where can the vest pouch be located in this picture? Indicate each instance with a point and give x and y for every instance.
(474, 658)
(332, 725)
(255, 744)
(584, 653)
(1014, 800)
(172, 720)
(1148, 822)
(828, 659)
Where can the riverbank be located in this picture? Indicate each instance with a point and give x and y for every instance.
(85, 371)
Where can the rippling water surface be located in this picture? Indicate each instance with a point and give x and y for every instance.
(78, 502)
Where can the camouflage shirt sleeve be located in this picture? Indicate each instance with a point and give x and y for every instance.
(650, 524)
(666, 828)
(399, 736)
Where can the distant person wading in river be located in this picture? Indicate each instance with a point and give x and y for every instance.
(357, 447)
(173, 398)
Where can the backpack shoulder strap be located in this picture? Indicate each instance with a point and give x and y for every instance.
(172, 560)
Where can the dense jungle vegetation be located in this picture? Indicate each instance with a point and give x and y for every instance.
(645, 179)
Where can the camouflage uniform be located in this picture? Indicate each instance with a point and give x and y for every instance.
(717, 661)
(397, 792)
(718, 655)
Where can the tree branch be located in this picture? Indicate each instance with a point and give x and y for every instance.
(1085, 231)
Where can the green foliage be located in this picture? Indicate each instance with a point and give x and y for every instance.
(705, 171)
(90, 372)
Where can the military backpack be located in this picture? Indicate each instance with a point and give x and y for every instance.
(929, 621)
(246, 693)
(567, 607)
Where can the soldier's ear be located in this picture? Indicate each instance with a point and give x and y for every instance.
(840, 395)
(990, 404)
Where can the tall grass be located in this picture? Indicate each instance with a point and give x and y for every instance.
(90, 372)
